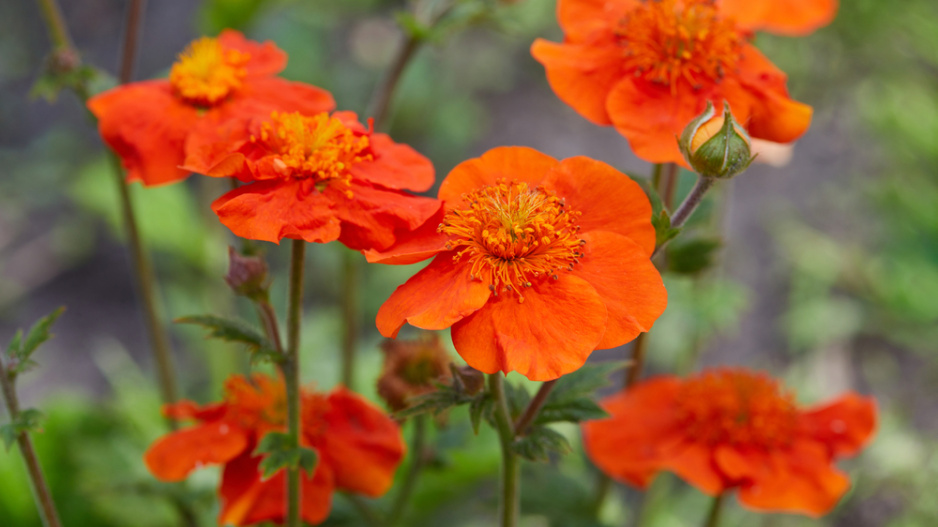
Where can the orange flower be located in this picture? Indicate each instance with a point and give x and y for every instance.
(538, 263)
(359, 448)
(650, 67)
(317, 178)
(732, 428)
(148, 123)
(785, 17)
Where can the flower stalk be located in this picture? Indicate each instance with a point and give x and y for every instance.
(534, 408)
(417, 450)
(688, 206)
(510, 503)
(291, 374)
(716, 508)
(41, 492)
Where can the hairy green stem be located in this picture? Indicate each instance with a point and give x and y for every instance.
(688, 206)
(55, 24)
(716, 507)
(534, 408)
(41, 493)
(510, 503)
(418, 458)
(291, 374)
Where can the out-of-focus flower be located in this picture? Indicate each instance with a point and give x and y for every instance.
(358, 447)
(149, 123)
(317, 178)
(716, 146)
(649, 67)
(247, 274)
(732, 429)
(410, 369)
(538, 262)
(785, 17)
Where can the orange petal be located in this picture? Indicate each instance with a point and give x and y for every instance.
(175, 455)
(799, 479)
(438, 296)
(608, 199)
(261, 96)
(788, 17)
(506, 162)
(550, 334)
(362, 445)
(413, 246)
(186, 409)
(265, 57)
(627, 445)
(582, 74)
(694, 463)
(651, 117)
(396, 166)
(273, 210)
(147, 127)
(758, 94)
(214, 148)
(845, 425)
(248, 500)
(373, 217)
(628, 283)
(580, 18)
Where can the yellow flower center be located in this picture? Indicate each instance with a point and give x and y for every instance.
(512, 233)
(206, 73)
(737, 407)
(666, 41)
(320, 149)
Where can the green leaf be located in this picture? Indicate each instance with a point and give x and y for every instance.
(279, 454)
(518, 399)
(52, 82)
(233, 330)
(479, 408)
(692, 256)
(444, 398)
(26, 421)
(308, 461)
(15, 343)
(663, 230)
(540, 442)
(38, 334)
(582, 382)
(575, 411)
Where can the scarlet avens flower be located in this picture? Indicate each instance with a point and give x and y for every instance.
(317, 178)
(149, 123)
(730, 429)
(359, 448)
(785, 17)
(648, 67)
(538, 262)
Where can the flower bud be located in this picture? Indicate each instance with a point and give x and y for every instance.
(716, 146)
(247, 275)
(410, 368)
(472, 380)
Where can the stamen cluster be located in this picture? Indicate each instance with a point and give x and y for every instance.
(666, 41)
(206, 73)
(737, 407)
(319, 148)
(513, 233)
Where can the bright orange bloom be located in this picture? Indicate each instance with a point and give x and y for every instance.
(649, 67)
(538, 262)
(359, 448)
(148, 123)
(732, 428)
(785, 17)
(317, 178)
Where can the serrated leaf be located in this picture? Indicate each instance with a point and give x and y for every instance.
(231, 330)
(278, 452)
(309, 458)
(39, 333)
(479, 408)
(582, 382)
(444, 398)
(26, 421)
(692, 256)
(13, 348)
(575, 411)
(273, 442)
(663, 230)
(518, 399)
(540, 442)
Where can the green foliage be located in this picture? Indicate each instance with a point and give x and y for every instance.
(444, 398)
(279, 454)
(232, 330)
(693, 255)
(27, 421)
(57, 77)
(20, 350)
(540, 442)
(572, 397)
(481, 408)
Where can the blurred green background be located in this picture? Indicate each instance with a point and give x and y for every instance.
(826, 272)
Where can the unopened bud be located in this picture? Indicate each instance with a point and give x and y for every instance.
(247, 275)
(716, 146)
(473, 380)
(411, 367)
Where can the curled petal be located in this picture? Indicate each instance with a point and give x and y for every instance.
(845, 425)
(789, 17)
(372, 217)
(174, 456)
(550, 334)
(507, 162)
(413, 246)
(396, 166)
(265, 58)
